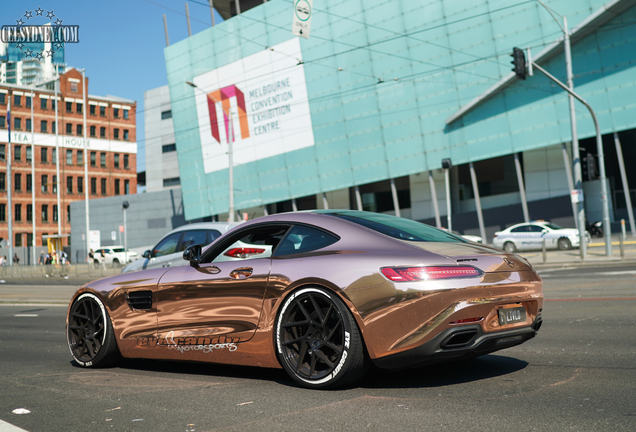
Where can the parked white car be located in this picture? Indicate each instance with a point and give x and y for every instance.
(114, 256)
(472, 238)
(529, 236)
(168, 252)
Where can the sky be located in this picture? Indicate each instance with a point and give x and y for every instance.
(121, 42)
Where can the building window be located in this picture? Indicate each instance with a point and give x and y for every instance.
(43, 126)
(93, 159)
(3, 120)
(3, 98)
(29, 215)
(126, 187)
(29, 183)
(44, 239)
(93, 128)
(69, 129)
(74, 87)
(43, 103)
(28, 125)
(18, 213)
(116, 133)
(102, 160)
(45, 213)
(116, 112)
(79, 130)
(3, 181)
(44, 155)
(102, 111)
(3, 211)
(102, 132)
(166, 114)
(126, 163)
(68, 214)
(126, 114)
(103, 185)
(54, 156)
(69, 157)
(55, 215)
(80, 185)
(3, 151)
(27, 100)
(30, 239)
(69, 185)
(53, 104)
(116, 160)
(17, 100)
(53, 127)
(29, 153)
(116, 186)
(80, 157)
(78, 108)
(91, 109)
(69, 107)
(169, 148)
(17, 153)
(45, 186)
(93, 186)
(17, 123)
(18, 240)
(126, 135)
(175, 181)
(54, 184)
(17, 182)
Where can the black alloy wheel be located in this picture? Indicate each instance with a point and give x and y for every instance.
(318, 341)
(89, 333)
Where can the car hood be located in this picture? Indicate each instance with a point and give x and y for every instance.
(485, 258)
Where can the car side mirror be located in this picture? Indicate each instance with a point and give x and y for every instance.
(193, 254)
(545, 231)
(146, 254)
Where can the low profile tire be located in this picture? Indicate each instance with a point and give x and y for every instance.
(89, 334)
(564, 244)
(317, 340)
(510, 247)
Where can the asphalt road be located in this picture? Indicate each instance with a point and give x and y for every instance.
(579, 374)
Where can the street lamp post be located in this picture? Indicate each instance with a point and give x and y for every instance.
(230, 155)
(124, 206)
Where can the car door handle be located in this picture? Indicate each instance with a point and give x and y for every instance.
(241, 273)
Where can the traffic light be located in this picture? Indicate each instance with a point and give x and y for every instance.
(519, 61)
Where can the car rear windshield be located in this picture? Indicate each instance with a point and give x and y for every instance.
(118, 250)
(399, 228)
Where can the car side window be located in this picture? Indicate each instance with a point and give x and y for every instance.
(520, 229)
(167, 246)
(302, 239)
(192, 238)
(251, 244)
(213, 235)
(536, 228)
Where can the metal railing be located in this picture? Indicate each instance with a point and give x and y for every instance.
(75, 271)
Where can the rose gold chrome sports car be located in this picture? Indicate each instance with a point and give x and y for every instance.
(321, 294)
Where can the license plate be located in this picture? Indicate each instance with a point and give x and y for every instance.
(512, 315)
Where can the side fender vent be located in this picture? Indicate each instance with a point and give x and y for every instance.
(141, 300)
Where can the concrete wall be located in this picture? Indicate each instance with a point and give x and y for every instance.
(149, 217)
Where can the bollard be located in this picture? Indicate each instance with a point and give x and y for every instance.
(622, 240)
(623, 230)
(543, 246)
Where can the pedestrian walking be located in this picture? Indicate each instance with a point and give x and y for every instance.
(42, 259)
(16, 260)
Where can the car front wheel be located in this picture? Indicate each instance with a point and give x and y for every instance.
(510, 247)
(564, 244)
(317, 340)
(89, 334)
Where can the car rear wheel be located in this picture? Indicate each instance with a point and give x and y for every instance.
(90, 335)
(116, 263)
(510, 247)
(317, 340)
(564, 244)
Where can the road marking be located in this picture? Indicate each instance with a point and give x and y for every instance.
(26, 315)
(616, 273)
(8, 427)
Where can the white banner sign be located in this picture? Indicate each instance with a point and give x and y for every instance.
(69, 142)
(301, 24)
(266, 95)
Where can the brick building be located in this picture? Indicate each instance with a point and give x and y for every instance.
(111, 155)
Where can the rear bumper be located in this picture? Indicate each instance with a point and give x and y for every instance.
(459, 343)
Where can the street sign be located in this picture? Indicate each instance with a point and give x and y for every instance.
(121, 228)
(113, 235)
(303, 10)
(577, 196)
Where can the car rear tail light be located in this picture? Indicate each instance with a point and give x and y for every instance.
(413, 274)
(467, 320)
(243, 252)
